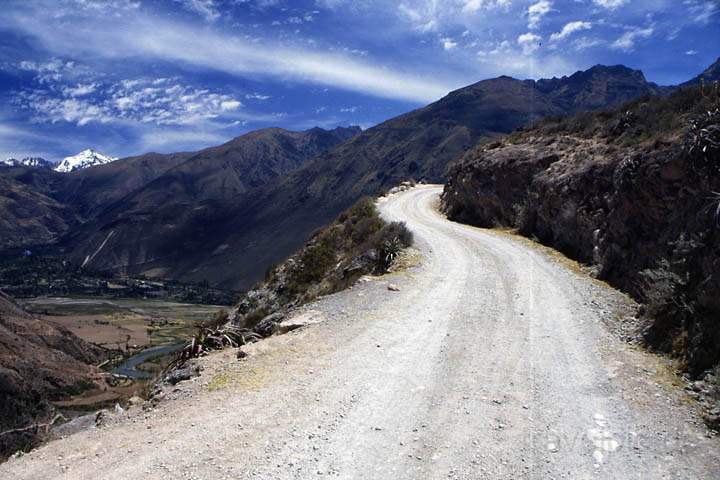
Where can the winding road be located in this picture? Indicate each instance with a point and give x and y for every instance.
(494, 359)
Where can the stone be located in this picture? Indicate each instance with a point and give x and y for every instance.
(310, 317)
(268, 325)
(393, 288)
(190, 370)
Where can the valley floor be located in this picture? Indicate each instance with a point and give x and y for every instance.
(494, 359)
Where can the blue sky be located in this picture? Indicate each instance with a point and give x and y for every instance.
(132, 76)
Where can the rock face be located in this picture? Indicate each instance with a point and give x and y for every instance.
(630, 192)
(39, 362)
(29, 216)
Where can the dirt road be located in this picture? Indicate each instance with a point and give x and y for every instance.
(493, 360)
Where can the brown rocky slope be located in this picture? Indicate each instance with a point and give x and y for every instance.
(39, 362)
(632, 192)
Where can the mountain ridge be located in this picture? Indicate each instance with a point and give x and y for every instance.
(231, 241)
(225, 225)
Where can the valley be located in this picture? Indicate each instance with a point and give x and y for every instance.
(122, 324)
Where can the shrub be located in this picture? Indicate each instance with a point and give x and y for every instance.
(357, 243)
(395, 230)
(703, 139)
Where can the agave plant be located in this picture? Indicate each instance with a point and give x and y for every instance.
(715, 206)
(390, 250)
(704, 135)
(210, 338)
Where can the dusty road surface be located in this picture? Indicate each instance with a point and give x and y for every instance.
(493, 360)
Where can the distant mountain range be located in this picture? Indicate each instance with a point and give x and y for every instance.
(226, 213)
(85, 159)
(31, 162)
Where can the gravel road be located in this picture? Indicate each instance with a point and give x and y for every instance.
(494, 359)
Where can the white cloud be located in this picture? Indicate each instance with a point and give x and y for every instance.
(50, 109)
(349, 109)
(51, 71)
(529, 42)
(472, 6)
(423, 18)
(537, 11)
(627, 40)
(448, 43)
(205, 8)
(610, 4)
(691, 52)
(583, 43)
(80, 90)
(569, 29)
(160, 40)
(134, 100)
(228, 105)
(701, 11)
(256, 96)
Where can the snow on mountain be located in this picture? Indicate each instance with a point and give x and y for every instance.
(33, 162)
(86, 158)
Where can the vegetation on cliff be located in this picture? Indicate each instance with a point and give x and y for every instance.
(357, 243)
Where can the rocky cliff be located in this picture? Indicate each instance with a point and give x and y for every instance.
(39, 362)
(632, 192)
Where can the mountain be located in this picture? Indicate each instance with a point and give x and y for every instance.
(39, 205)
(29, 216)
(86, 158)
(39, 362)
(144, 226)
(32, 162)
(230, 240)
(711, 74)
(237, 166)
(90, 190)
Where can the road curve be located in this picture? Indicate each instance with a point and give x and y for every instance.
(493, 360)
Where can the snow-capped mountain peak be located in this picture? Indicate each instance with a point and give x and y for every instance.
(86, 158)
(32, 162)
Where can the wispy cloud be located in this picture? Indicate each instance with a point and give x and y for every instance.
(701, 11)
(256, 96)
(529, 42)
(148, 101)
(158, 40)
(610, 4)
(569, 29)
(626, 41)
(207, 9)
(537, 11)
(448, 43)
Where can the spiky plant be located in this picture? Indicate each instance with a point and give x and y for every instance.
(390, 250)
(705, 134)
(209, 338)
